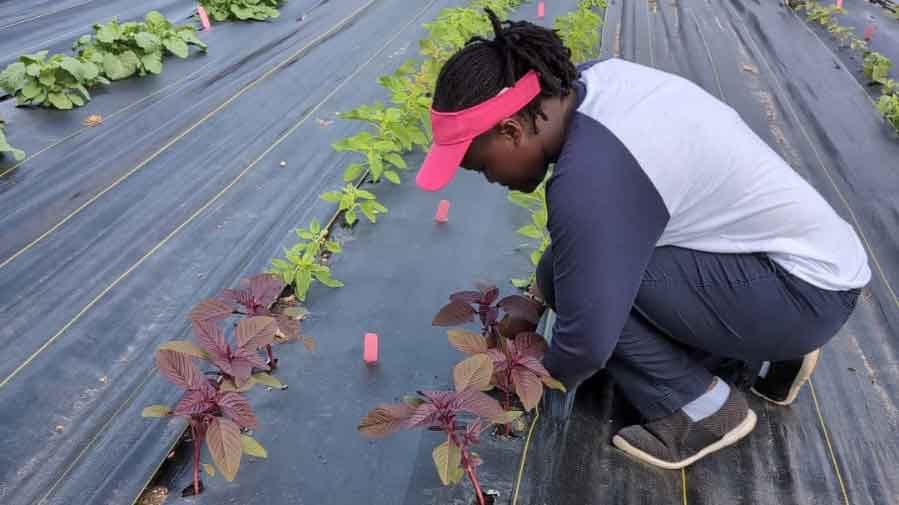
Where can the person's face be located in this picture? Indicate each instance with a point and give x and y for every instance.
(510, 154)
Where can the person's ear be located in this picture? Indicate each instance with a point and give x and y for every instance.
(511, 129)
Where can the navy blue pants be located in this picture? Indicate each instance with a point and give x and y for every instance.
(695, 307)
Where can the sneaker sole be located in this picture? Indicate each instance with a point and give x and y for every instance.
(729, 438)
(805, 372)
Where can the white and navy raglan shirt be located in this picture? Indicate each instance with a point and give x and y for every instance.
(650, 159)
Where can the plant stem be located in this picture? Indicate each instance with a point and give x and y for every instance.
(466, 463)
(474, 482)
(195, 433)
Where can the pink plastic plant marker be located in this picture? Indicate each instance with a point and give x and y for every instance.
(541, 10)
(204, 18)
(442, 211)
(869, 32)
(839, 4)
(370, 349)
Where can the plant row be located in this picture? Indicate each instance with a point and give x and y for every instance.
(112, 52)
(875, 67)
(234, 332)
(579, 31)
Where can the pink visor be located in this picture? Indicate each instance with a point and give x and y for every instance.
(454, 131)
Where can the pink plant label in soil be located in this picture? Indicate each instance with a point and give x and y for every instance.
(869, 32)
(204, 18)
(839, 4)
(370, 348)
(442, 214)
(541, 10)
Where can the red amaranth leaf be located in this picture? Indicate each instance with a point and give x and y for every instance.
(265, 288)
(385, 420)
(223, 440)
(255, 332)
(196, 401)
(178, 368)
(211, 339)
(454, 313)
(241, 297)
(424, 415)
(489, 292)
(531, 344)
(520, 307)
(235, 407)
(528, 387)
(478, 403)
(532, 364)
(466, 296)
(288, 327)
(211, 310)
(467, 341)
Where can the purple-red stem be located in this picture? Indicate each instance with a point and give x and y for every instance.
(466, 463)
(195, 433)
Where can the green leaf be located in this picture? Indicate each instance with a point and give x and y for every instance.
(47, 77)
(252, 448)
(74, 67)
(331, 196)
(333, 247)
(31, 90)
(147, 41)
(267, 379)
(176, 46)
(156, 411)
(34, 70)
(350, 217)
(60, 101)
(535, 257)
(114, 68)
(108, 33)
(152, 62)
(314, 226)
(448, 460)
(520, 283)
(395, 160)
(531, 231)
(77, 100)
(392, 176)
(303, 282)
(553, 384)
(325, 278)
(353, 172)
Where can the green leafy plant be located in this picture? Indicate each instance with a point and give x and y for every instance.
(301, 267)
(876, 67)
(535, 204)
(888, 105)
(351, 200)
(317, 239)
(383, 150)
(123, 50)
(59, 81)
(243, 10)
(579, 30)
(17, 154)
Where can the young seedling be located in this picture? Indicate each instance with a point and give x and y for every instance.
(301, 267)
(351, 199)
(214, 415)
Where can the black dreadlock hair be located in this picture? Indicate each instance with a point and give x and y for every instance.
(481, 69)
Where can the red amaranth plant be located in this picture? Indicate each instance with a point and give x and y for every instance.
(215, 416)
(460, 414)
(256, 297)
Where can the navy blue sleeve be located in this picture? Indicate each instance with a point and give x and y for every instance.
(605, 218)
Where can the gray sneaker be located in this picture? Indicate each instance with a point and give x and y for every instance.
(676, 441)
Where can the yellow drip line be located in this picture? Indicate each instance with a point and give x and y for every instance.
(183, 134)
(683, 484)
(833, 458)
(524, 457)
